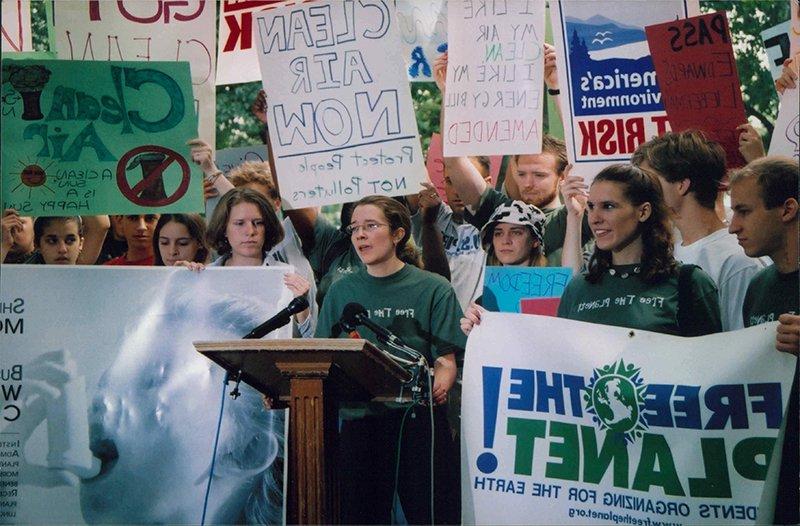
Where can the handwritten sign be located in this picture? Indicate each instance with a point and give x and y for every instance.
(493, 103)
(341, 120)
(238, 61)
(506, 288)
(786, 135)
(609, 92)
(698, 78)
(86, 137)
(146, 30)
(229, 158)
(423, 31)
(16, 25)
(777, 43)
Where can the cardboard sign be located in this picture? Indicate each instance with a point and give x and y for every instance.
(229, 158)
(434, 162)
(341, 120)
(494, 98)
(786, 134)
(577, 423)
(16, 26)
(86, 138)
(505, 288)
(777, 43)
(698, 78)
(423, 31)
(146, 30)
(237, 59)
(609, 93)
(110, 414)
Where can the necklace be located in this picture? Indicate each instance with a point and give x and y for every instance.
(625, 274)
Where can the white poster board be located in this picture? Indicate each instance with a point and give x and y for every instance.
(16, 26)
(110, 412)
(146, 30)
(495, 78)
(786, 134)
(777, 44)
(341, 120)
(568, 422)
(423, 30)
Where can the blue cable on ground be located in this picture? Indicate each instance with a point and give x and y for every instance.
(214, 453)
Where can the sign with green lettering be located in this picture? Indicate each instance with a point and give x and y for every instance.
(82, 137)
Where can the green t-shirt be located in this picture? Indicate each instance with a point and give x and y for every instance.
(555, 224)
(769, 295)
(630, 302)
(418, 306)
(331, 257)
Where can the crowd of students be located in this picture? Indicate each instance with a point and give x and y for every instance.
(656, 227)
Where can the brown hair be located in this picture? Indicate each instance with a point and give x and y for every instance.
(40, 223)
(253, 172)
(555, 147)
(273, 231)
(196, 227)
(686, 155)
(640, 187)
(777, 179)
(397, 216)
(536, 259)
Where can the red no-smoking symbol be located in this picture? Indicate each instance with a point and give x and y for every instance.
(154, 161)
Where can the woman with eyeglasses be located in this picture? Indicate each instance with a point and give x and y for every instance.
(421, 308)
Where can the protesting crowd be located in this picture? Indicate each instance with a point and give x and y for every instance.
(696, 248)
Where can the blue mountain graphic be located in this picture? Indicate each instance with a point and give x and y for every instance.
(600, 32)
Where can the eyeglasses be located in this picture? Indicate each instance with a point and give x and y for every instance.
(368, 227)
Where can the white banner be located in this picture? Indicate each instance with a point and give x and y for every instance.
(423, 30)
(16, 26)
(115, 344)
(237, 58)
(610, 98)
(567, 422)
(786, 134)
(146, 30)
(494, 96)
(341, 120)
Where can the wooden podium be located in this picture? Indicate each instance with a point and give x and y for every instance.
(313, 376)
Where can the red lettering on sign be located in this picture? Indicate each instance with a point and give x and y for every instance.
(241, 32)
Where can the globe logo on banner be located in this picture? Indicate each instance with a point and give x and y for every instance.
(615, 398)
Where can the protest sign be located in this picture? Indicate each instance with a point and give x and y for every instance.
(229, 158)
(786, 134)
(16, 25)
(434, 162)
(423, 30)
(237, 60)
(698, 78)
(505, 288)
(776, 42)
(341, 120)
(146, 30)
(110, 413)
(609, 94)
(494, 97)
(119, 148)
(576, 423)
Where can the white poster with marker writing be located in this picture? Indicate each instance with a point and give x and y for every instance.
(16, 26)
(341, 119)
(574, 423)
(786, 133)
(147, 30)
(495, 78)
(423, 34)
(110, 414)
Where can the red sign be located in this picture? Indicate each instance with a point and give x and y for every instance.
(541, 306)
(434, 162)
(699, 82)
(154, 161)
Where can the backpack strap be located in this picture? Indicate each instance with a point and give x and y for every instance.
(686, 322)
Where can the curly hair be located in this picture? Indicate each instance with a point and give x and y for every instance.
(397, 216)
(639, 187)
(218, 224)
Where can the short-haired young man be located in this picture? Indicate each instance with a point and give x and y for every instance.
(690, 167)
(764, 198)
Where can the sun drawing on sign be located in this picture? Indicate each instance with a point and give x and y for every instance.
(32, 176)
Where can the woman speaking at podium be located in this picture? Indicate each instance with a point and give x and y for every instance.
(421, 309)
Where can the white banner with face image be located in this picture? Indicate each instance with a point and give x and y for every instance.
(115, 345)
(575, 423)
(341, 120)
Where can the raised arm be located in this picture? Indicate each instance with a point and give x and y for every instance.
(574, 192)
(95, 229)
(203, 155)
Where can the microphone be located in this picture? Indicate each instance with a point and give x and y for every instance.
(355, 314)
(279, 320)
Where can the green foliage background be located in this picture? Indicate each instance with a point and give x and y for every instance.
(236, 126)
